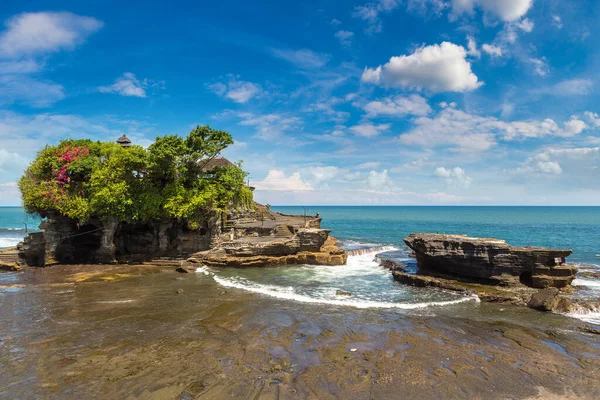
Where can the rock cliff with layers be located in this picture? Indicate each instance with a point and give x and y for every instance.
(490, 261)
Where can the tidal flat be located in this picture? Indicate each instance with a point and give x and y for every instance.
(143, 332)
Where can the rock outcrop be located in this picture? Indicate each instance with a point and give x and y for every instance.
(246, 238)
(490, 261)
(307, 246)
(549, 299)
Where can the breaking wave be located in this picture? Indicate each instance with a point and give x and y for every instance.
(370, 284)
(288, 293)
(6, 243)
(370, 250)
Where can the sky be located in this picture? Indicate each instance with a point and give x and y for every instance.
(330, 102)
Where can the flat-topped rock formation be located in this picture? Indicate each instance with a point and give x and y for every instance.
(490, 261)
(306, 246)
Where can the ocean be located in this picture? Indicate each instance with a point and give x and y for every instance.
(576, 228)
(14, 225)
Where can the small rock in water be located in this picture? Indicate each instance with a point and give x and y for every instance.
(342, 293)
(182, 270)
(353, 350)
(549, 299)
(179, 291)
(223, 293)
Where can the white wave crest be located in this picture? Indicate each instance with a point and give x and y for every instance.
(203, 270)
(591, 283)
(7, 243)
(287, 293)
(587, 316)
(371, 250)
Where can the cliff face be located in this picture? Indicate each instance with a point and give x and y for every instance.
(63, 241)
(491, 260)
(244, 239)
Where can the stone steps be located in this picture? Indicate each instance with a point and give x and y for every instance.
(283, 231)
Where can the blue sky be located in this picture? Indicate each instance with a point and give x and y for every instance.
(384, 102)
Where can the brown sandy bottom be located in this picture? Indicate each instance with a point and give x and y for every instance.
(145, 333)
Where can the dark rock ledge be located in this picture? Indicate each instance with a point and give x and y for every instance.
(493, 270)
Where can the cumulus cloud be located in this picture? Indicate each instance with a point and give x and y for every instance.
(129, 85)
(45, 32)
(236, 90)
(277, 180)
(454, 177)
(576, 165)
(345, 37)
(379, 181)
(398, 106)
(303, 58)
(462, 131)
(367, 129)
(492, 50)
(505, 10)
(436, 68)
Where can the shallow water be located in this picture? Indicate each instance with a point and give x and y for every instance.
(137, 332)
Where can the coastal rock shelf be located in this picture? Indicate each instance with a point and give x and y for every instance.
(308, 246)
(490, 261)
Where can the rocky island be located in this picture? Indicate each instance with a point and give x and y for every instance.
(497, 272)
(106, 203)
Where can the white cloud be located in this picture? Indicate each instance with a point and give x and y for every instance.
(323, 173)
(26, 90)
(472, 46)
(436, 68)
(462, 131)
(12, 162)
(367, 129)
(277, 180)
(327, 107)
(593, 118)
(573, 127)
(557, 21)
(454, 177)
(569, 87)
(129, 85)
(492, 50)
(236, 90)
(578, 166)
(345, 37)
(526, 25)
(269, 126)
(540, 66)
(398, 106)
(379, 181)
(16, 67)
(371, 12)
(506, 10)
(45, 32)
(303, 58)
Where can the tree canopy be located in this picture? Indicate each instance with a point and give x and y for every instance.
(83, 178)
